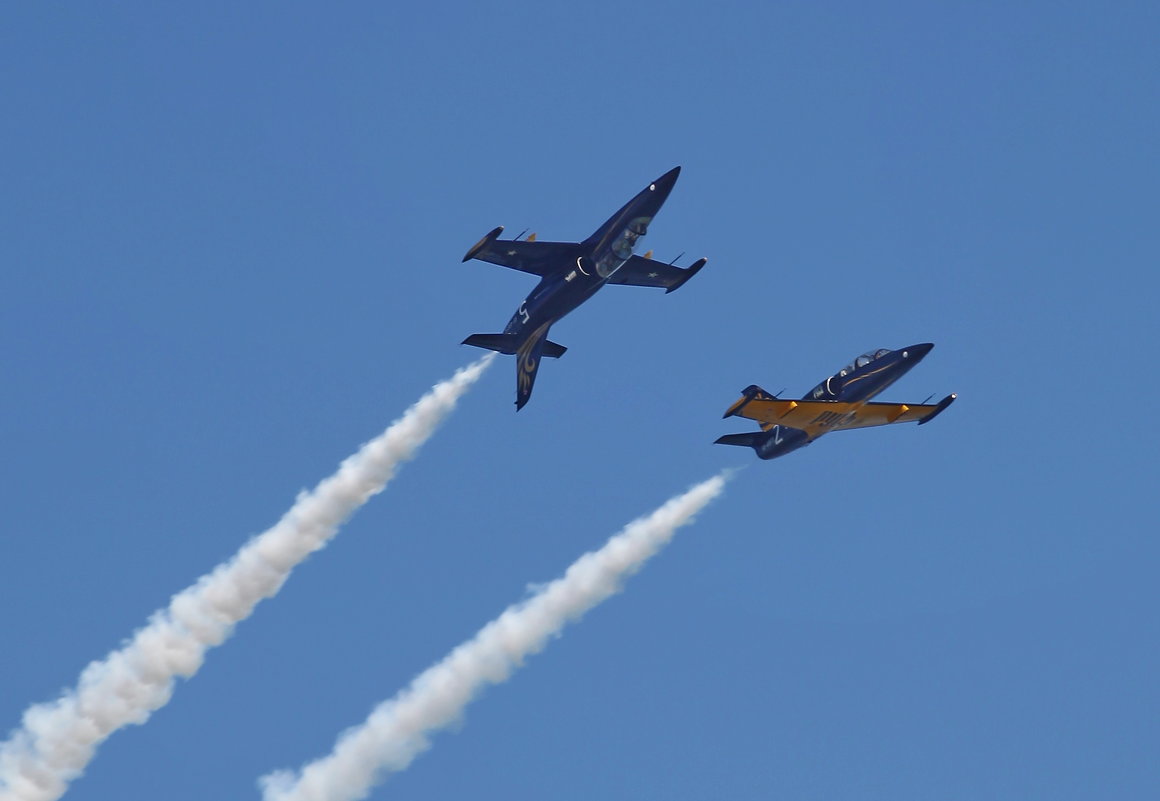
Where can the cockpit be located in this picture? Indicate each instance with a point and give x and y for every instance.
(829, 389)
(623, 246)
(863, 360)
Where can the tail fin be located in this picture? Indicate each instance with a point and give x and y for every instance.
(528, 362)
(506, 343)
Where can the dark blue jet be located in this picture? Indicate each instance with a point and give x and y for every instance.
(572, 272)
(839, 403)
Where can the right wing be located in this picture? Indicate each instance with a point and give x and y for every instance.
(537, 258)
(882, 414)
(641, 271)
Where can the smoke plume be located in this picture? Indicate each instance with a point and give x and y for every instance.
(398, 729)
(57, 740)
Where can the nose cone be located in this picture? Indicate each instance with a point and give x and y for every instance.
(915, 353)
(663, 185)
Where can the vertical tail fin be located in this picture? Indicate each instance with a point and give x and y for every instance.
(527, 363)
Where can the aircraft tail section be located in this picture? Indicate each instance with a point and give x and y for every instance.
(553, 350)
(528, 363)
(776, 441)
(506, 343)
(500, 343)
(753, 440)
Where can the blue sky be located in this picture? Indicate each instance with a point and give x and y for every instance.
(231, 243)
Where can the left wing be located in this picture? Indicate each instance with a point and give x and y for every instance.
(818, 417)
(641, 271)
(537, 258)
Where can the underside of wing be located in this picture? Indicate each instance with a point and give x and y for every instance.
(537, 258)
(640, 271)
(818, 417)
(883, 414)
(813, 417)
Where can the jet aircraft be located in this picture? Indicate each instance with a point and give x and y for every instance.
(839, 403)
(570, 273)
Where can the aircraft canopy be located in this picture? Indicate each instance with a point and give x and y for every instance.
(864, 360)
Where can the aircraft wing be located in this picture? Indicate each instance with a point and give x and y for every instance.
(639, 271)
(537, 258)
(882, 414)
(818, 417)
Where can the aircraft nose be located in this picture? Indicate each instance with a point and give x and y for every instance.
(915, 352)
(664, 184)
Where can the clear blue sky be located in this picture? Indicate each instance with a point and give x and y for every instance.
(230, 243)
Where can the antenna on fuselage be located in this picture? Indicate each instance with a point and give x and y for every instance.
(674, 261)
(521, 236)
(928, 397)
(778, 393)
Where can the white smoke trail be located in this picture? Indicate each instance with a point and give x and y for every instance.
(397, 730)
(57, 740)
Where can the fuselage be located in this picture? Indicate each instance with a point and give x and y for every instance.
(869, 374)
(857, 383)
(601, 255)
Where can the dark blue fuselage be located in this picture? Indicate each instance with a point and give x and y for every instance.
(857, 383)
(599, 257)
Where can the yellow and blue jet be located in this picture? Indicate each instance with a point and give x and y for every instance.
(839, 403)
(572, 272)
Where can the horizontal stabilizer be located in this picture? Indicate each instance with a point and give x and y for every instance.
(553, 350)
(751, 440)
(500, 343)
(506, 343)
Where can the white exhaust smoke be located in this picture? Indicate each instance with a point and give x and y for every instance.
(57, 740)
(397, 730)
